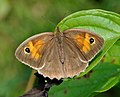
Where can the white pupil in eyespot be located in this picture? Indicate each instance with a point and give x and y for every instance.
(27, 50)
(91, 40)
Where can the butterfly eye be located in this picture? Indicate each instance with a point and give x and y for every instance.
(92, 40)
(27, 50)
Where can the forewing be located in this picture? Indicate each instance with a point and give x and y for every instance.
(36, 44)
(82, 41)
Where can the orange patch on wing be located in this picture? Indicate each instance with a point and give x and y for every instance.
(34, 48)
(87, 37)
(83, 41)
(79, 39)
(84, 49)
(86, 43)
(30, 45)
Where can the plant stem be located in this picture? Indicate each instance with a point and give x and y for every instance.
(31, 81)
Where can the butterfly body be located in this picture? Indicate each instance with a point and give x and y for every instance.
(59, 39)
(60, 54)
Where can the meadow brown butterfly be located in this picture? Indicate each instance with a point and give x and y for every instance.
(60, 54)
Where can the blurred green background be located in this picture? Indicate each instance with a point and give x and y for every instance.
(20, 19)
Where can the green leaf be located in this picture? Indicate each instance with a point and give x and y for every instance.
(85, 87)
(105, 76)
(104, 23)
(113, 55)
(109, 84)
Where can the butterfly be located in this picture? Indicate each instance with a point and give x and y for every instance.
(60, 54)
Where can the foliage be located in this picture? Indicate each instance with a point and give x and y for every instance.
(107, 25)
(21, 19)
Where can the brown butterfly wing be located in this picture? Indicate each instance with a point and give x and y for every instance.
(51, 62)
(36, 44)
(72, 64)
(44, 54)
(88, 43)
